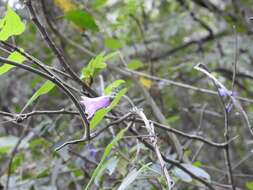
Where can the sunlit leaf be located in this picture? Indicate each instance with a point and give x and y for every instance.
(113, 43)
(11, 25)
(98, 117)
(66, 5)
(249, 185)
(108, 90)
(94, 67)
(146, 82)
(197, 164)
(44, 89)
(111, 55)
(135, 64)
(98, 3)
(82, 19)
(14, 56)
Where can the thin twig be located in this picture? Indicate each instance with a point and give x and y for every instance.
(234, 100)
(55, 49)
(153, 139)
(58, 83)
(226, 124)
(130, 73)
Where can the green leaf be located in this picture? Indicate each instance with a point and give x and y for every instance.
(11, 25)
(173, 119)
(197, 163)
(94, 67)
(111, 55)
(14, 56)
(117, 98)
(17, 161)
(249, 185)
(112, 86)
(82, 19)
(100, 114)
(44, 89)
(135, 64)
(113, 43)
(98, 117)
(105, 156)
(75, 170)
(131, 177)
(96, 4)
(43, 173)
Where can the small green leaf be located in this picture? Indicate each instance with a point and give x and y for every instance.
(98, 117)
(197, 164)
(44, 89)
(11, 25)
(94, 67)
(113, 43)
(17, 161)
(43, 173)
(249, 185)
(100, 114)
(135, 64)
(112, 86)
(14, 56)
(111, 55)
(117, 98)
(96, 4)
(75, 170)
(173, 119)
(105, 156)
(82, 19)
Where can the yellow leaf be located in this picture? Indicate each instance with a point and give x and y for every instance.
(66, 5)
(146, 82)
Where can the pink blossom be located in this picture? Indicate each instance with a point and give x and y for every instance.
(94, 104)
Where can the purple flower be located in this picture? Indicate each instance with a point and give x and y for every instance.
(222, 92)
(93, 104)
(233, 93)
(229, 107)
(92, 150)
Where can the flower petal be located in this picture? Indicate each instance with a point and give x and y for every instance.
(94, 104)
